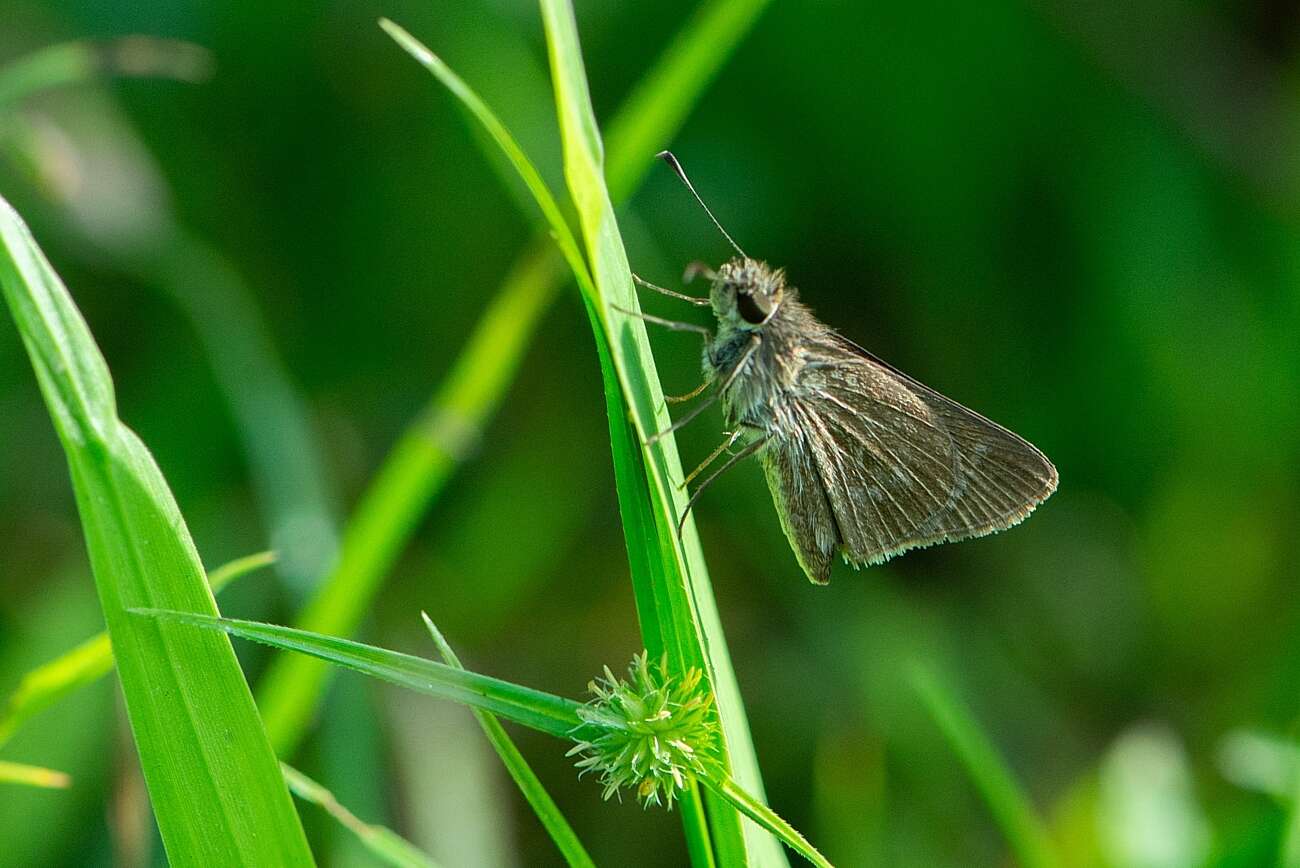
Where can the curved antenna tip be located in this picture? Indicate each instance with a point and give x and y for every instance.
(667, 157)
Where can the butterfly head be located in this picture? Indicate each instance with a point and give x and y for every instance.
(746, 293)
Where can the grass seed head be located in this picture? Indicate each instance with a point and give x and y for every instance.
(652, 732)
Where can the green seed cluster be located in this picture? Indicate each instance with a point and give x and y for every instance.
(653, 733)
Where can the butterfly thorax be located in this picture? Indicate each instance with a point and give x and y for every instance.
(764, 329)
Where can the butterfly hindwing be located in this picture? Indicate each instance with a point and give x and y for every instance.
(800, 499)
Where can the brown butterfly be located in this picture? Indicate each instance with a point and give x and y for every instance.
(862, 460)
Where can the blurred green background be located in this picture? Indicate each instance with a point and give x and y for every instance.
(1084, 222)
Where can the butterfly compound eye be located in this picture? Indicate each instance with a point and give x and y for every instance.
(752, 308)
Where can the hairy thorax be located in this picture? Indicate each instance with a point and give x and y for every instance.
(761, 391)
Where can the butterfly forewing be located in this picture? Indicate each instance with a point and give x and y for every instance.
(898, 465)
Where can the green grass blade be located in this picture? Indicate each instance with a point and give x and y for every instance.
(527, 172)
(76, 62)
(49, 67)
(544, 712)
(284, 454)
(398, 497)
(52, 681)
(415, 470)
(487, 696)
(1290, 850)
(767, 818)
(659, 104)
(640, 528)
(674, 596)
(215, 785)
(524, 777)
(386, 845)
(695, 825)
(1268, 764)
(33, 776)
(1010, 807)
(284, 457)
(223, 575)
(418, 466)
(45, 685)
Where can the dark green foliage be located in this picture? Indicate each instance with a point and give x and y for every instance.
(1087, 233)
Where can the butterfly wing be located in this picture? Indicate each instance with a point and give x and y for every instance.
(801, 502)
(899, 465)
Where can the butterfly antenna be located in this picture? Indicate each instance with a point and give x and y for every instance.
(667, 157)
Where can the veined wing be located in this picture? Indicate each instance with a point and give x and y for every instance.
(903, 466)
(801, 503)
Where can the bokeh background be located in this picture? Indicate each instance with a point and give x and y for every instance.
(1081, 219)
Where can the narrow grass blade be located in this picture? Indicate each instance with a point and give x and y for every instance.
(695, 825)
(386, 845)
(397, 497)
(1260, 762)
(45, 685)
(33, 776)
(223, 575)
(527, 781)
(544, 712)
(659, 103)
(1146, 792)
(415, 470)
(215, 785)
(527, 172)
(1011, 809)
(284, 454)
(1268, 764)
(80, 61)
(767, 818)
(131, 222)
(418, 466)
(674, 597)
(1290, 855)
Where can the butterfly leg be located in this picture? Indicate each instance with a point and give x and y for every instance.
(679, 327)
(693, 393)
(731, 462)
(695, 269)
(754, 343)
(726, 445)
(672, 293)
(666, 323)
